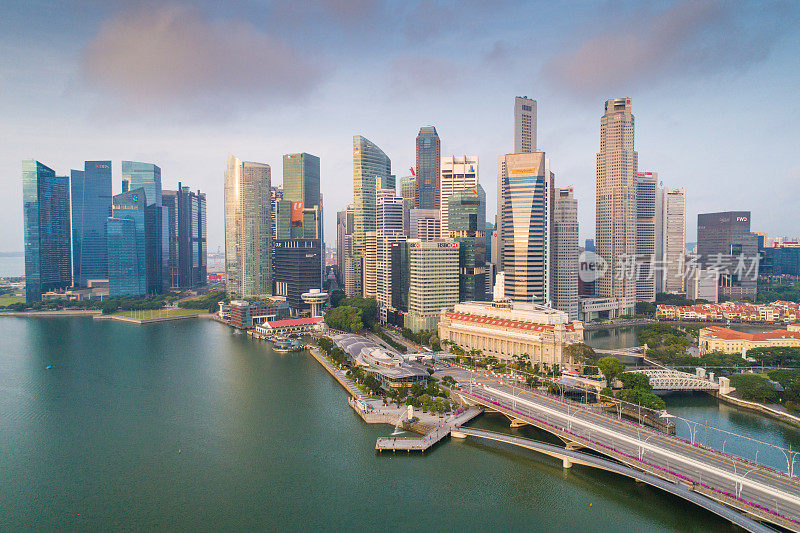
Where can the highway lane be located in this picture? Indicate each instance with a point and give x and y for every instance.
(760, 485)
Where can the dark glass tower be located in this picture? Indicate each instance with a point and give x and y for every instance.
(429, 159)
(91, 207)
(298, 269)
(187, 261)
(466, 225)
(127, 245)
(45, 212)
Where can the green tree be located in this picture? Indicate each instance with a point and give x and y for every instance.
(610, 367)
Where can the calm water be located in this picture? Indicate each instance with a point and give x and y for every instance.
(188, 426)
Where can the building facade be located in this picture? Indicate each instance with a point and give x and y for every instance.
(389, 232)
(525, 188)
(524, 125)
(457, 173)
(429, 155)
(671, 240)
(298, 269)
(248, 231)
(646, 186)
(372, 170)
(615, 239)
(564, 277)
(507, 330)
(466, 225)
(725, 243)
(46, 225)
(719, 339)
(408, 188)
(127, 245)
(433, 282)
(91, 207)
(424, 224)
(188, 241)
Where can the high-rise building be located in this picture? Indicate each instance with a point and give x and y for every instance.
(45, 212)
(298, 269)
(429, 155)
(457, 173)
(564, 276)
(144, 175)
(370, 281)
(424, 224)
(433, 282)
(725, 243)
(127, 244)
(466, 225)
(91, 207)
(276, 195)
(671, 240)
(187, 236)
(248, 232)
(389, 222)
(147, 176)
(646, 185)
(301, 181)
(350, 283)
(524, 125)
(615, 238)
(408, 188)
(372, 170)
(525, 187)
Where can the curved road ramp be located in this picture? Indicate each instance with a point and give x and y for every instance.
(755, 490)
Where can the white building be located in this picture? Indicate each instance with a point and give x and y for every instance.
(457, 173)
(524, 125)
(389, 223)
(564, 276)
(433, 282)
(671, 240)
(646, 185)
(703, 285)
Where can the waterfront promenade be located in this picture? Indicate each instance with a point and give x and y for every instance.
(750, 488)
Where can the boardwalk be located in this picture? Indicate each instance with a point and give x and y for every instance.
(422, 443)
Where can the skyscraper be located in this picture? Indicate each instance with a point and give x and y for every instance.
(524, 125)
(298, 269)
(127, 245)
(458, 173)
(389, 222)
(248, 232)
(428, 159)
(564, 276)
(615, 238)
(671, 240)
(144, 175)
(646, 185)
(187, 236)
(147, 176)
(301, 181)
(45, 212)
(725, 243)
(433, 282)
(525, 187)
(408, 188)
(372, 170)
(466, 225)
(424, 224)
(91, 207)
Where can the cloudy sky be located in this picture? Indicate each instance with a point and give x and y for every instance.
(715, 88)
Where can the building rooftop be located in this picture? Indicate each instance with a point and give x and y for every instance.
(731, 334)
(294, 322)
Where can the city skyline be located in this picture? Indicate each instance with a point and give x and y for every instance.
(667, 99)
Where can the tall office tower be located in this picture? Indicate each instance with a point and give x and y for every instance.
(45, 213)
(187, 236)
(490, 271)
(344, 226)
(372, 170)
(424, 224)
(433, 282)
(275, 196)
(589, 245)
(646, 185)
(525, 185)
(429, 155)
(457, 173)
(400, 281)
(389, 222)
(615, 239)
(671, 240)
(248, 232)
(144, 175)
(370, 281)
(127, 244)
(301, 182)
(524, 125)
(565, 252)
(408, 188)
(466, 225)
(298, 269)
(91, 207)
(724, 243)
(350, 283)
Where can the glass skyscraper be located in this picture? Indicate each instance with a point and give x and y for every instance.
(428, 164)
(144, 175)
(127, 264)
(45, 212)
(466, 225)
(187, 236)
(91, 207)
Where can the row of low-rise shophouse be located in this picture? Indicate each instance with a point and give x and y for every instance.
(779, 311)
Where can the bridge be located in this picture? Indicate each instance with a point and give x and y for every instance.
(749, 488)
(666, 379)
(572, 456)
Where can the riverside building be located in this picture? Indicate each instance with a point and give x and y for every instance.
(433, 282)
(506, 330)
(91, 207)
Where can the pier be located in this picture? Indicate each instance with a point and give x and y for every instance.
(422, 443)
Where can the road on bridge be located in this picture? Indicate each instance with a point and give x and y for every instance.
(745, 480)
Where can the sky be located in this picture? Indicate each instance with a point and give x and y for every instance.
(714, 88)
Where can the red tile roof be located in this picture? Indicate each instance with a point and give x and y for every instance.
(730, 334)
(504, 323)
(295, 322)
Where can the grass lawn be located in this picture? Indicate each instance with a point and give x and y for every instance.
(8, 300)
(159, 313)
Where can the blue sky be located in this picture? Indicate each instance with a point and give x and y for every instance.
(714, 85)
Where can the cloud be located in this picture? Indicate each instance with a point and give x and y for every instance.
(688, 38)
(174, 53)
(419, 74)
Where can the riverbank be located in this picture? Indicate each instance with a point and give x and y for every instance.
(618, 323)
(59, 313)
(154, 319)
(783, 416)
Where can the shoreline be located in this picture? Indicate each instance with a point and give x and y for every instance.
(42, 314)
(769, 412)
